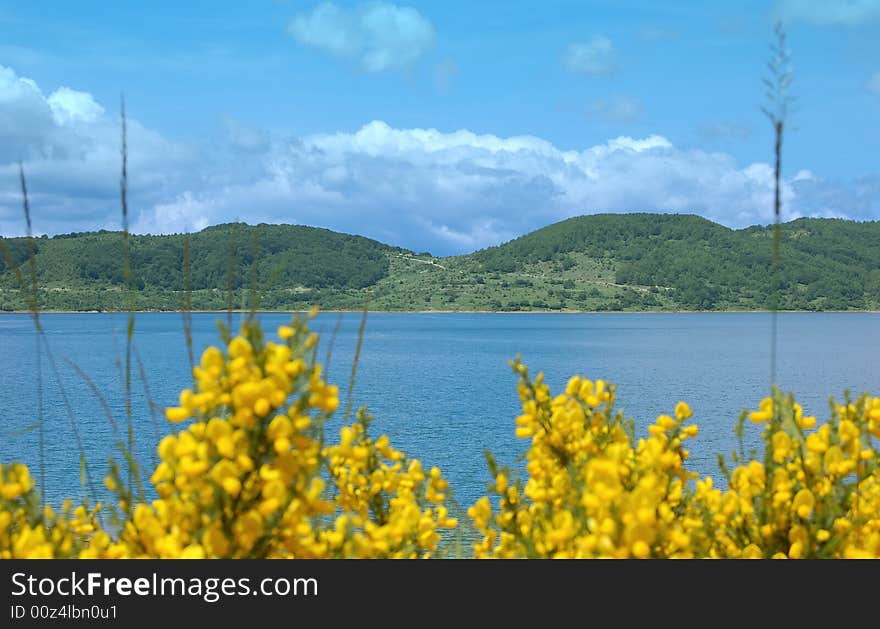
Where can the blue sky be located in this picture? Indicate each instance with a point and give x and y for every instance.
(446, 126)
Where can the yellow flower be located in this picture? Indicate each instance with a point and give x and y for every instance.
(177, 414)
(803, 503)
(683, 411)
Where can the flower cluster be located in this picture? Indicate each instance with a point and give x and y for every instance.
(594, 491)
(242, 479)
(29, 531)
(394, 508)
(815, 493)
(591, 490)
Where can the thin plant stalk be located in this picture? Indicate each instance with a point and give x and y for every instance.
(126, 272)
(129, 456)
(332, 341)
(90, 485)
(38, 328)
(31, 298)
(230, 277)
(254, 297)
(777, 237)
(151, 404)
(186, 307)
(354, 365)
(779, 103)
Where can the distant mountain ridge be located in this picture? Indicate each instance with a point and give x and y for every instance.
(595, 262)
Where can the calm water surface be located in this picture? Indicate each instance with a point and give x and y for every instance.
(440, 384)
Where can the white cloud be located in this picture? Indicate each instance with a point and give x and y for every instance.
(830, 12)
(378, 36)
(26, 122)
(70, 150)
(873, 84)
(377, 139)
(183, 214)
(617, 109)
(70, 107)
(626, 143)
(594, 58)
(425, 189)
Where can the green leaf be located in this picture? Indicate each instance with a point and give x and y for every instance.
(21, 431)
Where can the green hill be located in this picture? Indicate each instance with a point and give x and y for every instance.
(697, 264)
(85, 272)
(598, 262)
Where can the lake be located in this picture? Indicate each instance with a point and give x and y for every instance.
(439, 384)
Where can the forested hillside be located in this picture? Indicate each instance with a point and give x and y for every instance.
(85, 271)
(824, 263)
(597, 262)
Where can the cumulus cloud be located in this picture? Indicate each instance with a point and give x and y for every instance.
(425, 189)
(594, 58)
(26, 122)
(70, 150)
(830, 12)
(378, 36)
(70, 106)
(617, 109)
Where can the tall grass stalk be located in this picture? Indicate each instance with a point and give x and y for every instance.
(354, 365)
(186, 302)
(34, 303)
(777, 109)
(254, 292)
(126, 273)
(151, 404)
(129, 456)
(101, 400)
(90, 485)
(30, 296)
(331, 342)
(230, 277)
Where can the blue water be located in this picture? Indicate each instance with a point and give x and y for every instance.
(440, 384)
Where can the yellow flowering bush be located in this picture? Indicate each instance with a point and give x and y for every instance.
(392, 507)
(593, 490)
(250, 473)
(815, 493)
(29, 531)
(246, 477)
